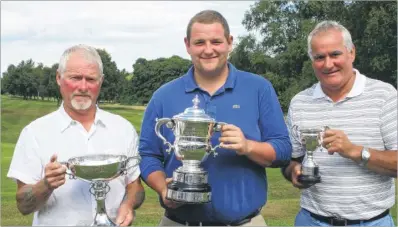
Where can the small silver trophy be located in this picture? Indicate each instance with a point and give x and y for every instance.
(193, 130)
(98, 170)
(310, 139)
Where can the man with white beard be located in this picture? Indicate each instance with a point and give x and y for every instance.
(77, 128)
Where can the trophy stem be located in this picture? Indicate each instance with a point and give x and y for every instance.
(191, 164)
(99, 189)
(310, 155)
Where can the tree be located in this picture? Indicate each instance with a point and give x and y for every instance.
(112, 77)
(150, 75)
(280, 54)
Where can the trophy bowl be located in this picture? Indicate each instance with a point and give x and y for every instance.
(193, 130)
(98, 170)
(97, 167)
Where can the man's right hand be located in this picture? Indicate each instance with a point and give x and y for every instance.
(169, 203)
(54, 173)
(296, 172)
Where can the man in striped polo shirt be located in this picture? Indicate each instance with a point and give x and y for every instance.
(359, 163)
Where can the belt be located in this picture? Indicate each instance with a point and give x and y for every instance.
(207, 223)
(343, 222)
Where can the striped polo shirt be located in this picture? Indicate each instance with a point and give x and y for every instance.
(368, 116)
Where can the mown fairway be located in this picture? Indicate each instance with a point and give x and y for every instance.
(281, 209)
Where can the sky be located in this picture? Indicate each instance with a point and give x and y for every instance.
(128, 30)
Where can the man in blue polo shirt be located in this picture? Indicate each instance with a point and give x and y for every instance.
(255, 137)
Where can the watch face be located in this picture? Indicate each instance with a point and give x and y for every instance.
(365, 155)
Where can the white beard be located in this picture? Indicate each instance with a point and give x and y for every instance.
(84, 105)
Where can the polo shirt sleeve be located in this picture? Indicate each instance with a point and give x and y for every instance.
(290, 121)
(26, 165)
(389, 121)
(273, 126)
(150, 146)
(133, 169)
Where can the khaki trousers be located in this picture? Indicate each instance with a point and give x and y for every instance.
(256, 221)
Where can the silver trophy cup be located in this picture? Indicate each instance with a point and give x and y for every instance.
(310, 140)
(192, 130)
(98, 170)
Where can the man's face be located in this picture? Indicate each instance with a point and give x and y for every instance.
(332, 61)
(208, 47)
(80, 84)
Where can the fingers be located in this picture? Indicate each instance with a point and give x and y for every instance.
(54, 173)
(329, 132)
(169, 203)
(124, 217)
(55, 183)
(295, 173)
(230, 139)
(230, 133)
(328, 140)
(169, 180)
(231, 146)
(53, 158)
(228, 127)
(126, 221)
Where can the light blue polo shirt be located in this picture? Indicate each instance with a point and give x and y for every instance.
(239, 185)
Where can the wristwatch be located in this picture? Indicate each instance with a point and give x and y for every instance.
(365, 155)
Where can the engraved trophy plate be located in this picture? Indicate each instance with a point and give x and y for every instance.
(189, 197)
(98, 170)
(193, 130)
(310, 140)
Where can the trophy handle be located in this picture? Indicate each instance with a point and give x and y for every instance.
(218, 125)
(216, 128)
(125, 165)
(169, 124)
(68, 170)
(296, 133)
(321, 136)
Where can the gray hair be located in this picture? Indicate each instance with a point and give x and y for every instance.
(88, 52)
(326, 26)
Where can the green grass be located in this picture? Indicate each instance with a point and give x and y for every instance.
(283, 199)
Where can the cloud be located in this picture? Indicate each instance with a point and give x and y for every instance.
(127, 30)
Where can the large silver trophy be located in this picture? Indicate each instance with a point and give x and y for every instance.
(98, 170)
(310, 140)
(192, 130)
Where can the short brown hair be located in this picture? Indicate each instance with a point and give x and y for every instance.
(208, 17)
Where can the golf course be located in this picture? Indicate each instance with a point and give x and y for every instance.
(283, 199)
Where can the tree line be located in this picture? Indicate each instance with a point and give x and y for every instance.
(280, 54)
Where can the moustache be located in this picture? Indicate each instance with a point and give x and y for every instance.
(81, 94)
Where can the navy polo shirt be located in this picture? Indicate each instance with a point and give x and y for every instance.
(239, 185)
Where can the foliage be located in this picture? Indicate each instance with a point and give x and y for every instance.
(150, 75)
(280, 54)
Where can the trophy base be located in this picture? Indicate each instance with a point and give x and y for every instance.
(189, 194)
(102, 220)
(308, 179)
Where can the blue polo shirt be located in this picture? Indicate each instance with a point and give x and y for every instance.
(239, 185)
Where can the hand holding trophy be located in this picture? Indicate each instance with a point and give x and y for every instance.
(98, 170)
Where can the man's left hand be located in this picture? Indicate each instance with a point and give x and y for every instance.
(233, 138)
(125, 215)
(337, 141)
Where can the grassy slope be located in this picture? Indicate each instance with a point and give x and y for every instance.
(281, 209)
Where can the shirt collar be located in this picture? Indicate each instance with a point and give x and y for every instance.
(66, 121)
(191, 85)
(357, 88)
